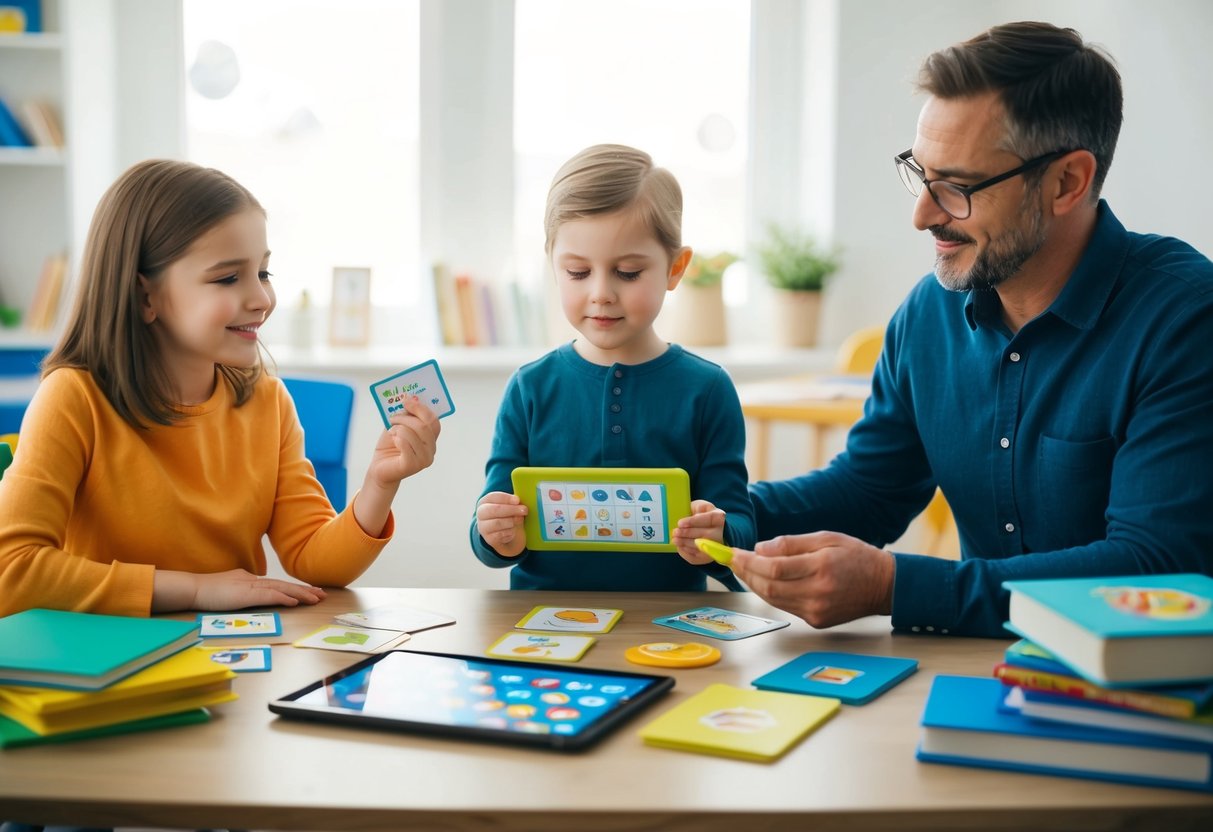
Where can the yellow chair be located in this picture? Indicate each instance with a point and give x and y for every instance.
(860, 351)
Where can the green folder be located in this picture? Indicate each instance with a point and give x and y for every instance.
(15, 735)
(6, 457)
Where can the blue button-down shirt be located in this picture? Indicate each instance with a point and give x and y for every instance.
(1081, 445)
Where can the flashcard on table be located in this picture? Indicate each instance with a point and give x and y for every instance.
(255, 658)
(396, 617)
(717, 623)
(238, 624)
(352, 639)
(423, 381)
(852, 677)
(541, 647)
(570, 619)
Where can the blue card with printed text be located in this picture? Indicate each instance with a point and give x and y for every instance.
(424, 381)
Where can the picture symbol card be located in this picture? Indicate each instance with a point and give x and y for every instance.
(851, 677)
(753, 725)
(549, 648)
(352, 639)
(424, 381)
(717, 623)
(396, 617)
(255, 658)
(570, 619)
(238, 624)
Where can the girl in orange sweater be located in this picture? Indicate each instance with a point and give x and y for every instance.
(157, 452)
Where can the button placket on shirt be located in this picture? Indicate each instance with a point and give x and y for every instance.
(1007, 414)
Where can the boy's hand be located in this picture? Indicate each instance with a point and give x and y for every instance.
(499, 520)
(408, 446)
(705, 521)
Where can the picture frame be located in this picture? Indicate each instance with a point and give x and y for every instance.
(350, 311)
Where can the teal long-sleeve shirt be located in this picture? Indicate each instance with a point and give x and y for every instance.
(1079, 446)
(676, 411)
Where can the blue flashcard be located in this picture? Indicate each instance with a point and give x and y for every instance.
(256, 658)
(717, 623)
(238, 624)
(852, 677)
(423, 381)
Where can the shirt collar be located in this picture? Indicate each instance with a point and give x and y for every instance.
(1086, 292)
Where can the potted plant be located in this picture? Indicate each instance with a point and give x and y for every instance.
(697, 313)
(798, 266)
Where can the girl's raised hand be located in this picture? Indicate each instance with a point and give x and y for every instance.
(408, 446)
(499, 519)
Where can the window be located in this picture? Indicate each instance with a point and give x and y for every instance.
(313, 106)
(670, 77)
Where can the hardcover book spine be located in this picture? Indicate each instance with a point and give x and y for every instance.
(1082, 689)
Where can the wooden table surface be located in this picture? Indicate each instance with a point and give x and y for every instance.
(248, 769)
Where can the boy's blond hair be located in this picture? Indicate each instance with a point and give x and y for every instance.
(606, 178)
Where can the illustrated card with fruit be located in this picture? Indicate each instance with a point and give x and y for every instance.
(570, 619)
(621, 509)
(540, 647)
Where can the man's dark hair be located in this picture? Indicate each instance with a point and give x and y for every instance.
(1059, 92)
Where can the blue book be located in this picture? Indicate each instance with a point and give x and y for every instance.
(11, 133)
(851, 677)
(1036, 704)
(964, 724)
(1121, 631)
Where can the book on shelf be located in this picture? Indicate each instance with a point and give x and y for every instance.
(183, 681)
(16, 735)
(44, 126)
(12, 134)
(469, 310)
(20, 16)
(757, 725)
(84, 651)
(1121, 631)
(1032, 667)
(48, 292)
(446, 305)
(965, 722)
(1036, 704)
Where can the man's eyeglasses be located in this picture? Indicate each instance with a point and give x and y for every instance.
(957, 200)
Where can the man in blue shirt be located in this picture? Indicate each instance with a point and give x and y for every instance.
(1052, 376)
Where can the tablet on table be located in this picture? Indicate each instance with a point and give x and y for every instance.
(622, 509)
(446, 694)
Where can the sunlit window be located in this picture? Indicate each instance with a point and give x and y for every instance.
(667, 76)
(313, 106)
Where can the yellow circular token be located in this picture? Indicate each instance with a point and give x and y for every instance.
(668, 654)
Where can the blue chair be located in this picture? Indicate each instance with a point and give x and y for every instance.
(325, 409)
(20, 367)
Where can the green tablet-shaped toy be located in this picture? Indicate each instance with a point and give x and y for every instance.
(620, 509)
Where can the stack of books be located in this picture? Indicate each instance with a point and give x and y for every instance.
(68, 675)
(1113, 680)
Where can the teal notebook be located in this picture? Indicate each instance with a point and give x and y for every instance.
(84, 651)
(1122, 630)
(14, 735)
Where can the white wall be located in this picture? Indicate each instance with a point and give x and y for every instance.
(1160, 180)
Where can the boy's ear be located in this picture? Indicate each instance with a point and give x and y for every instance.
(678, 267)
(146, 310)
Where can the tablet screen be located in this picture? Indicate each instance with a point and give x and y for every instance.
(521, 702)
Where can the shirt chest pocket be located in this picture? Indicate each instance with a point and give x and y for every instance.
(1074, 481)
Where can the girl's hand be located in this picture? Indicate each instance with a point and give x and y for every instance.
(407, 447)
(499, 520)
(234, 589)
(705, 521)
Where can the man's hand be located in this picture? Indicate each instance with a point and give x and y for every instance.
(826, 578)
(499, 519)
(234, 589)
(705, 521)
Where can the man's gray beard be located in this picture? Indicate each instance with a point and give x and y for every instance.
(1001, 260)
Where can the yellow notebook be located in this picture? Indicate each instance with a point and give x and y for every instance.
(188, 679)
(738, 722)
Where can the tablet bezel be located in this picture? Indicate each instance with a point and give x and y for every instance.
(287, 706)
(676, 481)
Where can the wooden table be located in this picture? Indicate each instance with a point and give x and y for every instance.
(807, 400)
(248, 769)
